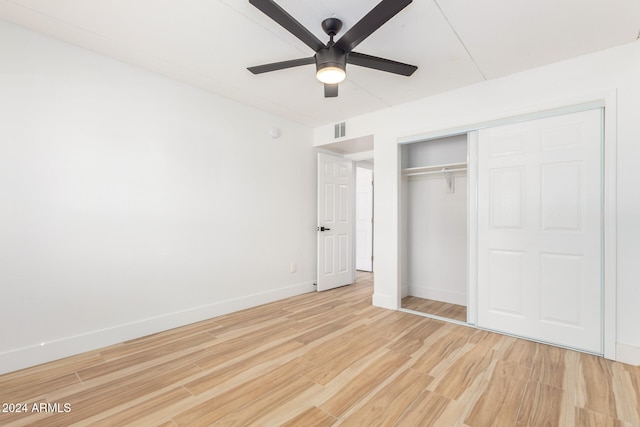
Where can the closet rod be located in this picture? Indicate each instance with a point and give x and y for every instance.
(433, 172)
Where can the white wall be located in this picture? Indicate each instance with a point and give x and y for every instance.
(591, 77)
(132, 203)
(439, 151)
(436, 238)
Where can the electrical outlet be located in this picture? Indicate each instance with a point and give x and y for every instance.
(293, 267)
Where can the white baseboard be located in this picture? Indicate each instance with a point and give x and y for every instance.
(384, 301)
(628, 354)
(459, 298)
(37, 354)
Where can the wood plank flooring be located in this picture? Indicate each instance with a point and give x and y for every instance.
(436, 308)
(325, 359)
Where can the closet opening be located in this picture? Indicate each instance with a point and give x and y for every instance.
(434, 223)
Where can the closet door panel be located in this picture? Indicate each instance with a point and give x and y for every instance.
(539, 202)
(506, 285)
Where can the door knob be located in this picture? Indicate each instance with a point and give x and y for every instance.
(323, 229)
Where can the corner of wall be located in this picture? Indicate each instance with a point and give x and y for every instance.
(384, 301)
(628, 354)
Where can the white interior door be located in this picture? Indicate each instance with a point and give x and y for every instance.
(540, 230)
(364, 219)
(336, 250)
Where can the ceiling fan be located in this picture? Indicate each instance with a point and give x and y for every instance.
(331, 58)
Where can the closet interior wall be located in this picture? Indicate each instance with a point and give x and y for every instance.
(434, 220)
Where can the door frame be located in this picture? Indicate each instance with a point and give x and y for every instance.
(607, 101)
(370, 191)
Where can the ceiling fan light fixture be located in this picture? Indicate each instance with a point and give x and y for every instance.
(331, 64)
(331, 74)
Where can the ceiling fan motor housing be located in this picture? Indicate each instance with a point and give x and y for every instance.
(331, 56)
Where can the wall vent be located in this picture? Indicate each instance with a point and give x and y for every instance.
(340, 130)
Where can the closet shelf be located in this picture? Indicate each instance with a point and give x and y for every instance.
(423, 170)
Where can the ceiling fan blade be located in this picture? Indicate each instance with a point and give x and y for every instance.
(373, 20)
(288, 22)
(259, 69)
(330, 90)
(381, 64)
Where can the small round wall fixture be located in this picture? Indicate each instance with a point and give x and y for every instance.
(275, 133)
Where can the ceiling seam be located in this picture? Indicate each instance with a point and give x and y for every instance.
(54, 18)
(370, 93)
(277, 34)
(460, 39)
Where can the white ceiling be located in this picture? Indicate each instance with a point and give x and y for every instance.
(209, 43)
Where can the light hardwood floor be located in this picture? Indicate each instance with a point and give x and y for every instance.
(436, 308)
(326, 359)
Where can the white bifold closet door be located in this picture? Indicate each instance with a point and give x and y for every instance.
(540, 230)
